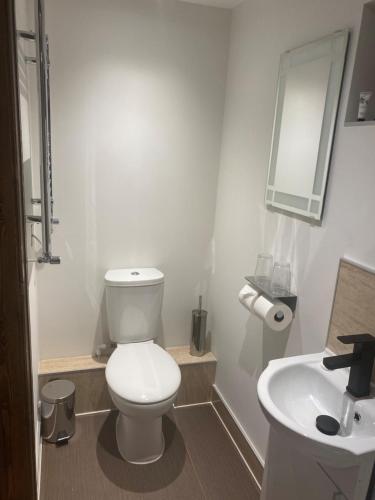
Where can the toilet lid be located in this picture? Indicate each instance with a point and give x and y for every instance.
(142, 373)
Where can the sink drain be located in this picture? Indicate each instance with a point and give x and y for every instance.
(327, 425)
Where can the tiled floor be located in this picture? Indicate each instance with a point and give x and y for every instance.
(200, 462)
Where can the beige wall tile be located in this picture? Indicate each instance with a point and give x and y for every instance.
(353, 306)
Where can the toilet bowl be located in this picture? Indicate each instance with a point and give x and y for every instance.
(143, 379)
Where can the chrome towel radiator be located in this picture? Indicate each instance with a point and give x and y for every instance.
(46, 219)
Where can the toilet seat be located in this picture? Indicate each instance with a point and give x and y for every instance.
(142, 373)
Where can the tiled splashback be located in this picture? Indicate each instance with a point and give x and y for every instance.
(353, 308)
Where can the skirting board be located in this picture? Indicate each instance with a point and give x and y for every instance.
(233, 429)
(197, 378)
(39, 477)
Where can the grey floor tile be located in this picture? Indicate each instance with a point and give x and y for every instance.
(90, 467)
(216, 461)
(199, 463)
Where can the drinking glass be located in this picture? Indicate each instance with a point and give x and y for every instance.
(281, 277)
(263, 268)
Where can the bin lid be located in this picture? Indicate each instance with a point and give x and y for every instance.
(57, 391)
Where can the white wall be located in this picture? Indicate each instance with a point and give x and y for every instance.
(261, 31)
(137, 102)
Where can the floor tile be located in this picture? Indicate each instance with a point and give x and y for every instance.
(90, 467)
(216, 461)
(200, 463)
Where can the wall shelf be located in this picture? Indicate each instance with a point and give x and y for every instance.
(264, 288)
(181, 355)
(367, 123)
(363, 78)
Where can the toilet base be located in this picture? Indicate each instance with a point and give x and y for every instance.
(140, 441)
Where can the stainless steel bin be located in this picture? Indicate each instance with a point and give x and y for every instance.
(58, 417)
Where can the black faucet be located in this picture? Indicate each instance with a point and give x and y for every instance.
(361, 362)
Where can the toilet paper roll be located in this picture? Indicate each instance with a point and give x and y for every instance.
(276, 315)
(247, 297)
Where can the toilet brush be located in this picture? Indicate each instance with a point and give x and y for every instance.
(198, 330)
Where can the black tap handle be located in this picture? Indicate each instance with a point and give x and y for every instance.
(360, 338)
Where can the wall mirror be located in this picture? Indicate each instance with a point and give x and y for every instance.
(307, 101)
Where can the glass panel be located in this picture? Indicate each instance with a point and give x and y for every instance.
(314, 206)
(292, 200)
(269, 195)
(304, 102)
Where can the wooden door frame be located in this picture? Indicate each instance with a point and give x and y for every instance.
(17, 439)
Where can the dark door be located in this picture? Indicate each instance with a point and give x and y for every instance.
(17, 454)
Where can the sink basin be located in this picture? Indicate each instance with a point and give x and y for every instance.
(294, 391)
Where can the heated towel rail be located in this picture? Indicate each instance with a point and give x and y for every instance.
(46, 219)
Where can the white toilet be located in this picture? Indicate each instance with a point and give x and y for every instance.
(143, 379)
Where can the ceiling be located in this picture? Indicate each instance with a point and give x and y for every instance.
(227, 4)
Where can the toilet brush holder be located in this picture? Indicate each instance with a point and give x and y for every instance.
(198, 331)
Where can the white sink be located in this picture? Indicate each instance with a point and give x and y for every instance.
(294, 391)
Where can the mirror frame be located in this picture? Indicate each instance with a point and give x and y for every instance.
(333, 46)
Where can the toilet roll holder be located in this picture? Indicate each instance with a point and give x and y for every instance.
(288, 298)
